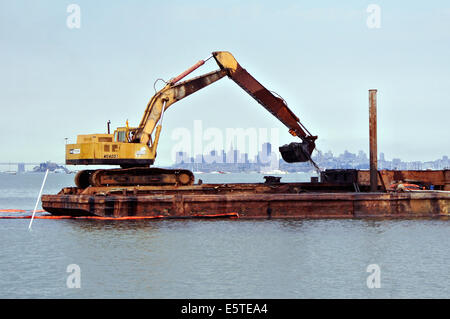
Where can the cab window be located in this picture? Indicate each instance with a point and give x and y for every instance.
(120, 136)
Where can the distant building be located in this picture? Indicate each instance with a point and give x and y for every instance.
(245, 158)
(21, 168)
(264, 156)
(199, 159)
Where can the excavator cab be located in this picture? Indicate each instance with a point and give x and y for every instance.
(124, 134)
(120, 135)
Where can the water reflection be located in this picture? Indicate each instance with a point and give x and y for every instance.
(120, 225)
(291, 224)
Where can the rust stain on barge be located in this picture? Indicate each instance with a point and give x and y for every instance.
(281, 200)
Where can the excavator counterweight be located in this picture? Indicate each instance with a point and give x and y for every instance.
(134, 149)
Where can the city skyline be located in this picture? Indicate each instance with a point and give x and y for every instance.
(325, 160)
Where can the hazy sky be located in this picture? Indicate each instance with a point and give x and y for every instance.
(320, 56)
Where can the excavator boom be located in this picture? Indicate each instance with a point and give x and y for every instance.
(173, 92)
(170, 94)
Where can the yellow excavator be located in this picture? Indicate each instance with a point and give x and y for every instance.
(134, 148)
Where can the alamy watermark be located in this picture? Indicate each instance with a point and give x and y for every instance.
(74, 279)
(73, 20)
(374, 279)
(230, 145)
(374, 19)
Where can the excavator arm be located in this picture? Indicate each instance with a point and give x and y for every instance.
(293, 152)
(174, 91)
(171, 93)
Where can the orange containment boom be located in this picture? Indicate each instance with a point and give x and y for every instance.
(220, 215)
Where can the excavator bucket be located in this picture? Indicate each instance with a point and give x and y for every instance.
(297, 152)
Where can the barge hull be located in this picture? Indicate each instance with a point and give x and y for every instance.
(245, 201)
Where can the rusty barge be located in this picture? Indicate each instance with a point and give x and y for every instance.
(345, 195)
(141, 192)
